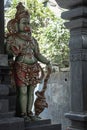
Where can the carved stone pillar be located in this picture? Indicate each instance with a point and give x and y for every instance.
(77, 16)
(1, 27)
(3, 57)
(4, 69)
(4, 90)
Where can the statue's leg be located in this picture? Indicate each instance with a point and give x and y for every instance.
(22, 101)
(30, 100)
(30, 104)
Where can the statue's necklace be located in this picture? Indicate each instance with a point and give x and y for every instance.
(24, 37)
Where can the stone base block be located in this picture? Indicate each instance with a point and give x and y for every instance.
(75, 129)
(45, 127)
(7, 115)
(12, 124)
(79, 121)
(42, 125)
(38, 123)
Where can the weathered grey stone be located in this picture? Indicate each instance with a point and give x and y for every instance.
(80, 117)
(12, 124)
(74, 13)
(1, 27)
(3, 60)
(12, 98)
(3, 105)
(12, 90)
(78, 61)
(4, 75)
(12, 103)
(80, 44)
(38, 123)
(77, 23)
(4, 89)
(47, 127)
(7, 114)
(71, 3)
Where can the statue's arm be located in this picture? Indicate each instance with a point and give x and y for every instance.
(39, 56)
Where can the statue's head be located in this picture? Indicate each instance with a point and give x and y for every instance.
(21, 22)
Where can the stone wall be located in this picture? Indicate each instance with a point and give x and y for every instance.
(58, 98)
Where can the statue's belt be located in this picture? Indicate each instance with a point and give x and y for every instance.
(27, 74)
(27, 67)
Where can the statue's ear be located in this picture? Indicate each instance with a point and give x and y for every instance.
(12, 26)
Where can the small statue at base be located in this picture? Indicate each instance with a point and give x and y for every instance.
(26, 69)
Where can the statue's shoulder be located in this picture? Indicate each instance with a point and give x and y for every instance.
(11, 39)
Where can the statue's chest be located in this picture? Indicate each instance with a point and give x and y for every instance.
(26, 46)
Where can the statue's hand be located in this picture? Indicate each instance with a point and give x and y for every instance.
(49, 68)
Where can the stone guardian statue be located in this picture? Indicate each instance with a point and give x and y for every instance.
(26, 69)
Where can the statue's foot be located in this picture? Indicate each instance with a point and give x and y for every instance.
(35, 118)
(26, 118)
(30, 117)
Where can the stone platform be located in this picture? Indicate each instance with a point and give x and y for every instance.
(42, 125)
(15, 123)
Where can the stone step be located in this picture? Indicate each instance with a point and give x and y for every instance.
(45, 127)
(12, 124)
(38, 123)
(7, 114)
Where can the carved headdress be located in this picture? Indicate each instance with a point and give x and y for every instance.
(20, 13)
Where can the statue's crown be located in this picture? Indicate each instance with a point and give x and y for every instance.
(21, 11)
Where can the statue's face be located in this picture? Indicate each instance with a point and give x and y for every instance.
(24, 25)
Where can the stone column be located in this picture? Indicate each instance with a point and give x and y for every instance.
(1, 26)
(77, 16)
(4, 70)
(4, 78)
(3, 58)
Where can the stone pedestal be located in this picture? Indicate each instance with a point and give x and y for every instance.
(11, 124)
(77, 24)
(42, 125)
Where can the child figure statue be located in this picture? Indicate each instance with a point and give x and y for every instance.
(25, 49)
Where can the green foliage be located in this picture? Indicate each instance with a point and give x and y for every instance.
(48, 30)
